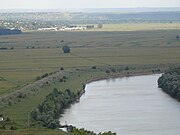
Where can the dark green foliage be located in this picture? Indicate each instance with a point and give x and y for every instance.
(90, 26)
(66, 49)
(3, 126)
(126, 68)
(107, 133)
(60, 80)
(177, 37)
(53, 103)
(64, 77)
(82, 131)
(9, 31)
(84, 86)
(43, 76)
(156, 70)
(3, 48)
(8, 124)
(9, 103)
(34, 114)
(62, 68)
(170, 82)
(53, 124)
(93, 67)
(7, 119)
(13, 128)
(107, 71)
(38, 78)
(113, 70)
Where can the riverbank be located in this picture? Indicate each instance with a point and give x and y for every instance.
(114, 76)
(123, 105)
(75, 78)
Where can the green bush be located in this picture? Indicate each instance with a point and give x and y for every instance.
(53, 103)
(170, 82)
(13, 128)
(66, 49)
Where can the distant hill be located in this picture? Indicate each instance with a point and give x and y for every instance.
(93, 17)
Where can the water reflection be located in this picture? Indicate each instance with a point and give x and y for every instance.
(128, 106)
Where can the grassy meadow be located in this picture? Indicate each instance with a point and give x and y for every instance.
(44, 54)
(37, 53)
(140, 26)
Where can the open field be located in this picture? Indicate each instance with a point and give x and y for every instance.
(20, 66)
(139, 26)
(33, 131)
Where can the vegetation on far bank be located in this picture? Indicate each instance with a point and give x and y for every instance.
(9, 31)
(170, 82)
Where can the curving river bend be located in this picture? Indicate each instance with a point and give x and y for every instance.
(127, 106)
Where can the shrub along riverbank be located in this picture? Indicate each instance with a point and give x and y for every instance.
(39, 96)
(56, 101)
(45, 113)
(170, 82)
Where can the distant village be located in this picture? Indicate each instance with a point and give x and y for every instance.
(44, 26)
(64, 28)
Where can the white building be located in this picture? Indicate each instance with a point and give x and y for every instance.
(1, 119)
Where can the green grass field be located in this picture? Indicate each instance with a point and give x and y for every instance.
(20, 66)
(139, 26)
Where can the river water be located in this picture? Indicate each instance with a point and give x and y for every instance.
(127, 106)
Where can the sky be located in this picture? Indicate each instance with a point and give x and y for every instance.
(63, 4)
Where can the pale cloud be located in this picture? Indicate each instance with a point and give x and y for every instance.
(50, 4)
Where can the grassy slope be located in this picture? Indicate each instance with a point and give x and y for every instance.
(21, 65)
(33, 131)
(139, 26)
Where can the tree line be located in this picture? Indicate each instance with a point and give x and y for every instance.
(44, 114)
(56, 101)
(170, 82)
(9, 31)
(82, 131)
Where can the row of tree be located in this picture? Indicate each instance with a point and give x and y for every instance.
(170, 82)
(44, 114)
(54, 102)
(82, 131)
(9, 31)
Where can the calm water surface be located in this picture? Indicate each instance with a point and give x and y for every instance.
(127, 106)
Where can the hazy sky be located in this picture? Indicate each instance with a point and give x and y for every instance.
(51, 4)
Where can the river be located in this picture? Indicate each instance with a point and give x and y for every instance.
(127, 106)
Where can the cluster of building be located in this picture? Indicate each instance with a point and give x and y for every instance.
(64, 28)
(42, 26)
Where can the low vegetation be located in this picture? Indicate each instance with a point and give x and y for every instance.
(42, 76)
(66, 49)
(9, 31)
(7, 123)
(54, 103)
(82, 131)
(38, 65)
(170, 82)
